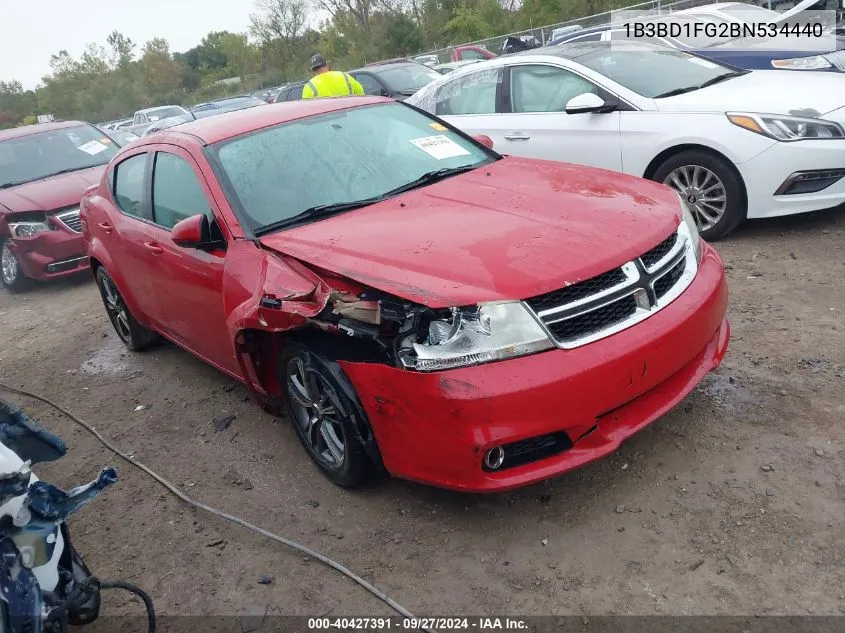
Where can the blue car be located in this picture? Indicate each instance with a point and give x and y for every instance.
(748, 53)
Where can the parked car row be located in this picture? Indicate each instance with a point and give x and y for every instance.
(795, 52)
(520, 237)
(735, 143)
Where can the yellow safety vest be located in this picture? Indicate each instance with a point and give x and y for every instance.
(332, 84)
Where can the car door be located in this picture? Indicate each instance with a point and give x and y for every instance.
(123, 233)
(521, 108)
(536, 124)
(469, 102)
(188, 281)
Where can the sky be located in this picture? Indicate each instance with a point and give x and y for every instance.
(30, 33)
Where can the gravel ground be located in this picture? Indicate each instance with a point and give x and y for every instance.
(731, 504)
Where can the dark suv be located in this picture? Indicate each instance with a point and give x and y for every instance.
(44, 170)
(291, 92)
(397, 79)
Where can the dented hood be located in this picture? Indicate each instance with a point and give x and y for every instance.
(511, 230)
(51, 193)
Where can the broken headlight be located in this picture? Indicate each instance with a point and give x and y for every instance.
(478, 334)
(27, 229)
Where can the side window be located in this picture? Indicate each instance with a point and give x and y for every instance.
(536, 88)
(474, 93)
(590, 37)
(177, 193)
(370, 84)
(294, 93)
(129, 185)
(471, 54)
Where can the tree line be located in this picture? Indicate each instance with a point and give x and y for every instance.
(112, 80)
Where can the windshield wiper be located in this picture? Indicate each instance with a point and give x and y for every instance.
(720, 78)
(709, 82)
(324, 210)
(428, 178)
(7, 185)
(320, 211)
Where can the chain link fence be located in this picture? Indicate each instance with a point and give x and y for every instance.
(544, 34)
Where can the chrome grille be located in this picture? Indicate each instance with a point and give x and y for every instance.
(656, 254)
(578, 291)
(837, 58)
(71, 220)
(617, 299)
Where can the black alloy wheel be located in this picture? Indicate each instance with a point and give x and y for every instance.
(133, 335)
(323, 416)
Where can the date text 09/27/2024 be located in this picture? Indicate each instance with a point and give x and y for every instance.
(416, 624)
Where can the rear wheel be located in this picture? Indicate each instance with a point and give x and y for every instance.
(710, 186)
(323, 416)
(134, 335)
(10, 271)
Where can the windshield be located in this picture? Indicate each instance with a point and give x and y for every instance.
(164, 113)
(278, 173)
(407, 77)
(653, 72)
(36, 156)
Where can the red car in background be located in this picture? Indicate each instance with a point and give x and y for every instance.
(44, 170)
(414, 301)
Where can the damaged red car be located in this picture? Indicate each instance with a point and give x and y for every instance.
(415, 302)
(44, 170)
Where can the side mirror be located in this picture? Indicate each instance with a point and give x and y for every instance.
(484, 140)
(195, 232)
(587, 102)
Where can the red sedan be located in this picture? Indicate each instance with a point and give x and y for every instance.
(415, 302)
(44, 170)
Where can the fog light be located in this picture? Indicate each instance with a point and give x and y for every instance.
(51, 267)
(494, 458)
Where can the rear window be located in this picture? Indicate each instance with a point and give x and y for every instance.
(407, 77)
(164, 113)
(44, 154)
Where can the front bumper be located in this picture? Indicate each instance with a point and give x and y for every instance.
(767, 171)
(50, 254)
(436, 427)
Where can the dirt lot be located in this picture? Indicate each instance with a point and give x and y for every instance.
(731, 504)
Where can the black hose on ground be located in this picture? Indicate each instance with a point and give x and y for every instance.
(228, 517)
(93, 583)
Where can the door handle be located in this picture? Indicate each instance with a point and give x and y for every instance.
(516, 136)
(154, 248)
(106, 227)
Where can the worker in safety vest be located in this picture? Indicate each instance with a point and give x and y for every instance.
(329, 83)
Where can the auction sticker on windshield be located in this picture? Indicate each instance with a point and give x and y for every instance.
(439, 147)
(93, 147)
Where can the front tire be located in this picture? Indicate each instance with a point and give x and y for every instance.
(11, 274)
(133, 335)
(323, 416)
(712, 188)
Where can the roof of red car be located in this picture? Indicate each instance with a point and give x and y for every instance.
(223, 126)
(26, 130)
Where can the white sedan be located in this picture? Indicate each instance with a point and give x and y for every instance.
(737, 144)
